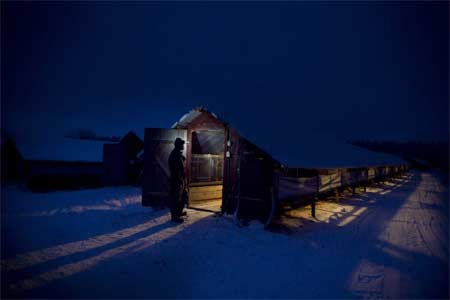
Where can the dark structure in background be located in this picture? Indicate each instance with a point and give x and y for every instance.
(121, 161)
(69, 163)
(10, 160)
(60, 164)
(47, 175)
(229, 174)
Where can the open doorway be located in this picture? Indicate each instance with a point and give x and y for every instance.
(206, 169)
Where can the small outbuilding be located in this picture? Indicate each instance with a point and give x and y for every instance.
(225, 171)
(121, 160)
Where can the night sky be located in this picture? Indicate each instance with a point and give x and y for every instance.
(275, 71)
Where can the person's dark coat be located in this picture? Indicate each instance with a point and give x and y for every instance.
(177, 167)
(177, 182)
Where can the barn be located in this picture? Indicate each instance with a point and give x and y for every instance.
(60, 163)
(46, 163)
(228, 173)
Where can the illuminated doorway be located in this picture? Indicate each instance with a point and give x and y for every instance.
(206, 169)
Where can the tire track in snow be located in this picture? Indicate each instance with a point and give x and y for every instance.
(369, 278)
(425, 229)
(431, 192)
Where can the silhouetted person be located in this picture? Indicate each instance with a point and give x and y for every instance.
(177, 180)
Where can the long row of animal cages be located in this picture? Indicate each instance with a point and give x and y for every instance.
(381, 172)
(298, 183)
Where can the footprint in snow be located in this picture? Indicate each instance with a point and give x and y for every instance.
(368, 280)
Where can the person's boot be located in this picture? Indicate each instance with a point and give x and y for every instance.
(177, 220)
(184, 213)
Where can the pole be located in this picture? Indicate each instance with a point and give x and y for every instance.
(313, 205)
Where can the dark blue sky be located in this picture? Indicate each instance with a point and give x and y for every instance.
(352, 70)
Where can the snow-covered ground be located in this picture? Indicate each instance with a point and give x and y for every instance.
(391, 242)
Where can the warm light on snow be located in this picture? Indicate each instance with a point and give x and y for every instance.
(352, 216)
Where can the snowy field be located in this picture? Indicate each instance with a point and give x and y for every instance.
(391, 242)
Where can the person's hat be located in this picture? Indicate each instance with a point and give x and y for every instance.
(179, 142)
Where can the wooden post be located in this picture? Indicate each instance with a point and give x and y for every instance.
(353, 190)
(273, 207)
(313, 206)
(336, 195)
(238, 171)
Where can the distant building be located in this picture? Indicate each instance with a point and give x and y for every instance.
(60, 163)
(121, 161)
(47, 163)
(10, 159)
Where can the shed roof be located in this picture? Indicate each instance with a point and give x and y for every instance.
(51, 148)
(187, 118)
(328, 152)
(310, 151)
